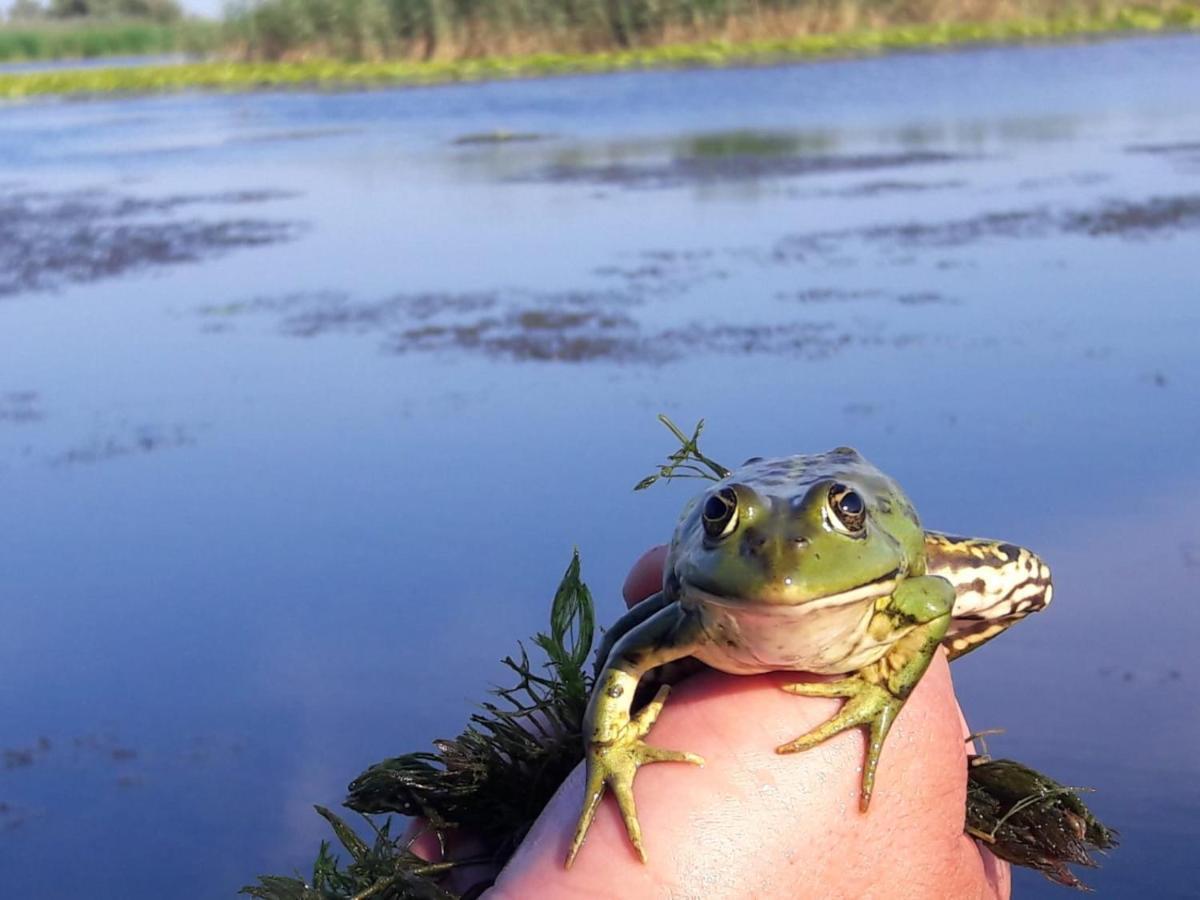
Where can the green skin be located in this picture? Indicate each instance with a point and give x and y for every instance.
(803, 563)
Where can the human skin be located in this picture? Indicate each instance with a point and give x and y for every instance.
(753, 823)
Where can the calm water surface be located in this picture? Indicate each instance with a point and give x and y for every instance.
(306, 398)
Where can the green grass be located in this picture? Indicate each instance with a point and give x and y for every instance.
(329, 74)
(88, 39)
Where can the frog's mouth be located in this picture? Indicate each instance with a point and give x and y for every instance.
(881, 587)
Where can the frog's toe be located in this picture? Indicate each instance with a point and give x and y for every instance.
(845, 687)
(869, 706)
(615, 766)
(623, 790)
(658, 754)
(648, 714)
(593, 794)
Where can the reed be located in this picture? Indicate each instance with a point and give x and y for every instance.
(373, 30)
(298, 72)
(86, 39)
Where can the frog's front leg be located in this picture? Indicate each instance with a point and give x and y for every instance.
(612, 738)
(876, 693)
(633, 618)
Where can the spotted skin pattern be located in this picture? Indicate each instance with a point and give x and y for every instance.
(996, 584)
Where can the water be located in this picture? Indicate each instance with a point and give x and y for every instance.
(306, 398)
(103, 62)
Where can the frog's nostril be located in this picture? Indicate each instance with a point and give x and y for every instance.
(800, 543)
(752, 542)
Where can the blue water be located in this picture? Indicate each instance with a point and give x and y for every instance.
(104, 62)
(271, 511)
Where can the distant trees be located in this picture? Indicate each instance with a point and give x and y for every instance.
(161, 11)
(26, 11)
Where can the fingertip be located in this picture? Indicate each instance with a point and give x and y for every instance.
(645, 578)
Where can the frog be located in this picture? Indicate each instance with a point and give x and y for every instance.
(815, 563)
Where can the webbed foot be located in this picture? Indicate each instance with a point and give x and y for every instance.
(614, 764)
(869, 706)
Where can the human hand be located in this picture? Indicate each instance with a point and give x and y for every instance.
(754, 823)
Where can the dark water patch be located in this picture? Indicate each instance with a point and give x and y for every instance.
(49, 239)
(20, 407)
(682, 170)
(539, 335)
(536, 334)
(926, 298)
(1073, 179)
(18, 758)
(828, 295)
(1126, 219)
(343, 315)
(491, 138)
(808, 340)
(270, 304)
(1169, 149)
(1155, 215)
(313, 313)
(1190, 554)
(296, 134)
(22, 757)
(657, 273)
(883, 187)
(820, 295)
(742, 144)
(564, 326)
(860, 409)
(139, 442)
(961, 232)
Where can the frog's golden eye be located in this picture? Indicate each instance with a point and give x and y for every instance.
(849, 509)
(720, 514)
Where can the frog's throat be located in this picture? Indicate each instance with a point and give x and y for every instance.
(883, 586)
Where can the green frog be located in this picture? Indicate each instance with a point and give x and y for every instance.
(808, 563)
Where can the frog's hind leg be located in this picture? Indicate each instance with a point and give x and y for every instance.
(876, 694)
(996, 585)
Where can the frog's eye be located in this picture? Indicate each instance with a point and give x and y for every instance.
(849, 509)
(720, 514)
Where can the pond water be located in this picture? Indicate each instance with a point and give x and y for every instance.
(101, 62)
(306, 398)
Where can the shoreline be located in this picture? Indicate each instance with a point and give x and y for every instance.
(333, 75)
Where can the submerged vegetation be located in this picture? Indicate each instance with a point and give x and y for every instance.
(365, 43)
(490, 783)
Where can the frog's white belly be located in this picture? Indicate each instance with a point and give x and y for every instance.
(829, 636)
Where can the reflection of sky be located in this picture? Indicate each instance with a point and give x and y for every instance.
(327, 569)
